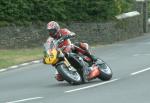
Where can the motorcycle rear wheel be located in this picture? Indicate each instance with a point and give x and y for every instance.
(106, 72)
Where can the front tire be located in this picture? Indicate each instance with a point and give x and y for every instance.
(71, 76)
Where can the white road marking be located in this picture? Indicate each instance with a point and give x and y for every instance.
(138, 72)
(15, 66)
(36, 61)
(27, 99)
(24, 64)
(141, 55)
(91, 86)
(2, 70)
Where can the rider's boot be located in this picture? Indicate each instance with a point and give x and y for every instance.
(92, 57)
(58, 76)
(84, 46)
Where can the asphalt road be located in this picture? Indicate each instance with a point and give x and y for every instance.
(129, 60)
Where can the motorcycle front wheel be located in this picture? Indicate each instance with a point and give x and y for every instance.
(70, 74)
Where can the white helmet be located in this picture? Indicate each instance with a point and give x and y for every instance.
(53, 27)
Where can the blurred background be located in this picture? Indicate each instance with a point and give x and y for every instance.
(25, 12)
(23, 20)
(23, 23)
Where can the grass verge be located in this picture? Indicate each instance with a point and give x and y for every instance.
(16, 56)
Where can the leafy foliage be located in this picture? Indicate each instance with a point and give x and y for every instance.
(17, 11)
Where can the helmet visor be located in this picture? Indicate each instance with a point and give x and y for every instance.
(52, 32)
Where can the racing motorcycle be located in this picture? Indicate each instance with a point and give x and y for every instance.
(72, 66)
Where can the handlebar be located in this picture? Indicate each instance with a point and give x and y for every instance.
(55, 43)
(65, 38)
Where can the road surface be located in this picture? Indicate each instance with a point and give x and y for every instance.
(129, 60)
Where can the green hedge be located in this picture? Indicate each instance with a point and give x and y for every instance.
(24, 11)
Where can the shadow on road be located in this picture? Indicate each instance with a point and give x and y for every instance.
(65, 84)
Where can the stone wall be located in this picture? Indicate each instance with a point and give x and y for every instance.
(110, 32)
(22, 37)
(92, 33)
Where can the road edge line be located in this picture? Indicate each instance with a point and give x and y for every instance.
(20, 65)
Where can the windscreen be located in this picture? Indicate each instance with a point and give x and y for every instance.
(48, 45)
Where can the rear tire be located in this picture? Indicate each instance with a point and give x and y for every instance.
(106, 72)
(72, 77)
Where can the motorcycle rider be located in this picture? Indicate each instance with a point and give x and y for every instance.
(56, 33)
